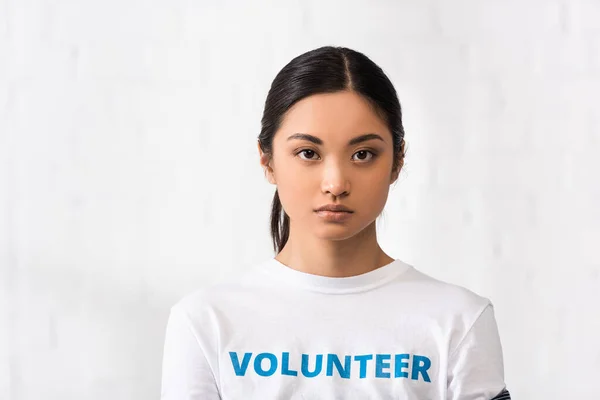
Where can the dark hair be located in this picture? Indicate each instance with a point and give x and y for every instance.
(327, 69)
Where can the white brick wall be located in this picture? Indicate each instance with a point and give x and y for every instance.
(127, 143)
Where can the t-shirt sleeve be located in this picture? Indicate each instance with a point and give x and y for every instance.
(186, 373)
(476, 366)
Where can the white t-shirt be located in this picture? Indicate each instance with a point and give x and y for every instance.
(278, 333)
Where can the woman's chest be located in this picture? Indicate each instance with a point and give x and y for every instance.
(356, 352)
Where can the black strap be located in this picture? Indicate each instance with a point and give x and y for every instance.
(503, 395)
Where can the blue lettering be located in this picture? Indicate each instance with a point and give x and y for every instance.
(418, 365)
(258, 364)
(285, 365)
(422, 368)
(399, 365)
(240, 370)
(318, 366)
(380, 364)
(363, 364)
(333, 359)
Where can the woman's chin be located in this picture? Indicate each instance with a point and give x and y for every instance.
(336, 232)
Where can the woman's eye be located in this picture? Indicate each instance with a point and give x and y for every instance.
(309, 153)
(364, 155)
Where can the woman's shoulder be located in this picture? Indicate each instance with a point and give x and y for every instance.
(218, 292)
(444, 294)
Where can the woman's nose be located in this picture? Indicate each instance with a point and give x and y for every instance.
(335, 180)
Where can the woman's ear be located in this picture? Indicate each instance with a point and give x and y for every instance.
(265, 162)
(399, 163)
(396, 172)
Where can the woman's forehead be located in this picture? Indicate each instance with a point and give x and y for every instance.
(334, 116)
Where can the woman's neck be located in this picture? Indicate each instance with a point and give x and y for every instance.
(334, 258)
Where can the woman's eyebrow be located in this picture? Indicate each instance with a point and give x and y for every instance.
(352, 142)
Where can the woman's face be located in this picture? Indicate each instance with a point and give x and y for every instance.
(309, 175)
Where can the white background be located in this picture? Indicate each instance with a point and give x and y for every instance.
(129, 174)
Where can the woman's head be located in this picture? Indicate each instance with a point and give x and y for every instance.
(319, 107)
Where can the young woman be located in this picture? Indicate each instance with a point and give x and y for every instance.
(332, 316)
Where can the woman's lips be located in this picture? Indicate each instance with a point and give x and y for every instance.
(334, 216)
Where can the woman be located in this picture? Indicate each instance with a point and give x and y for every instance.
(332, 316)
